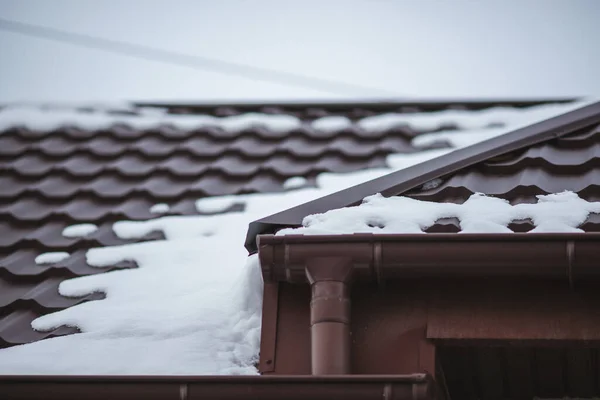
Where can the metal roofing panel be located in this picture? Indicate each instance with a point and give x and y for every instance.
(71, 174)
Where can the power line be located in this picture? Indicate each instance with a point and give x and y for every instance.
(196, 62)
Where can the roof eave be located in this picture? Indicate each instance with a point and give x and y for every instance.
(281, 387)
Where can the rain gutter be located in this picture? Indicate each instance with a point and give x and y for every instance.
(330, 263)
(357, 387)
(378, 257)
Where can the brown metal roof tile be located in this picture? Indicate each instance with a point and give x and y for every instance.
(533, 181)
(161, 186)
(251, 146)
(592, 223)
(445, 225)
(51, 179)
(546, 168)
(203, 146)
(22, 263)
(301, 147)
(44, 293)
(55, 146)
(13, 331)
(29, 165)
(557, 160)
(11, 145)
(134, 165)
(104, 146)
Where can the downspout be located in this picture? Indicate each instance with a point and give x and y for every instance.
(329, 278)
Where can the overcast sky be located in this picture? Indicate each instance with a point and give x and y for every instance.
(421, 48)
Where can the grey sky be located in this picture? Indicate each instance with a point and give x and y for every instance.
(412, 48)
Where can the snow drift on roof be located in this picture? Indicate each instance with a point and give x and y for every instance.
(560, 212)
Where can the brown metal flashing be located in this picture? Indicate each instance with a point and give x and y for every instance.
(568, 256)
(357, 387)
(409, 178)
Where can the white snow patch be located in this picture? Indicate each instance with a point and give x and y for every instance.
(457, 138)
(50, 118)
(215, 204)
(47, 119)
(331, 124)
(294, 182)
(194, 304)
(52, 257)
(559, 212)
(506, 116)
(79, 230)
(160, 208)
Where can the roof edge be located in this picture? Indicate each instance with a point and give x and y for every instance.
(378, 257)
(352, 387)
(403, 180)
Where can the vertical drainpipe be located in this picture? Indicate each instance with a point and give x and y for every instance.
(329, 278)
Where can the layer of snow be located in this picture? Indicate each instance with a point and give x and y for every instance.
(217, 204)
(51, 118)
(192, 307)
(194, 304)
(48, 119)
(294, 182)
(52, 257)
(559, 212)
(79, 230)
(159, 208)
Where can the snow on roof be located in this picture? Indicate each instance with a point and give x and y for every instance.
(79, 230)
(559, 212)
(104, 116)
(194, 304)
(52, 257)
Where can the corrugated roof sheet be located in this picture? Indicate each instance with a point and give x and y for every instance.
(71, 174)
(569, 163)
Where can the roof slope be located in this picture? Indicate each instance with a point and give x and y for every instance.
(562, 154)
(61, 167)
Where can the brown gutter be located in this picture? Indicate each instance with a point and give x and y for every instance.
(569, 256)
(357, 387)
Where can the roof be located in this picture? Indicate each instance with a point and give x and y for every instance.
(550, 156)
(64, 166)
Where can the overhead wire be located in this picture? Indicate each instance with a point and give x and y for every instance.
(192, 61)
